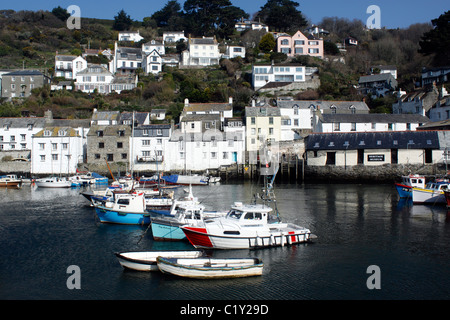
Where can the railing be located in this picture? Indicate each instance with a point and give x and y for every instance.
(150, 159)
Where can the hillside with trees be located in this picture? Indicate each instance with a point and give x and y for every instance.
(30, 39)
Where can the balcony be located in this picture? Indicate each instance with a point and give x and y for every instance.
(150, 159)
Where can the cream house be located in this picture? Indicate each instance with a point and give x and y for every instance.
(262, 124)
(201, 52)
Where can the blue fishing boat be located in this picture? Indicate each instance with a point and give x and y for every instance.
(405, 187)
(126, 208)
(168, 228)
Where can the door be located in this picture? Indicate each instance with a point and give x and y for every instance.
(234, 157)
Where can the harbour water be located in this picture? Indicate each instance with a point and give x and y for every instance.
(44, 231)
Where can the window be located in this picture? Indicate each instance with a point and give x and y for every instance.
(54, 146)
(145, 132)
(225, 155)
(270, 131)
(253, 120)
(101, 145)
(213, 155)
(30, 127)
(54, 157)
(41, 146)
(121, 133)
(158, 132)
(64, 146)
(99, 133)
(270, 120)
(42, 158)
(145, 142)
(124, 156)
(119, 145)
(110, 157)
(253, 132)
(336, 126)
(353, 126)
(158, 141)
(22, 137)
(97, 156)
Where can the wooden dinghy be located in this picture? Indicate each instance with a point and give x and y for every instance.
(211, 268)
(146, 260)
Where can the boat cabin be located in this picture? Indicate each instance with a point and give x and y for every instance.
(414, 180)
(189, 212)
(249, 213)
(437, 186)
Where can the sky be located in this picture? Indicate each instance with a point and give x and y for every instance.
(393, 13)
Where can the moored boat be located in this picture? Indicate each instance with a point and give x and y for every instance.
(146, 260)
(245, 227)
(178, 179)
(10, 181)
(53, 182)
(211, 268)
(168, 228)
(433, 193)
(126, 208)
(404, 188)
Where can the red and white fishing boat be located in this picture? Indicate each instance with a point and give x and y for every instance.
(245, 227)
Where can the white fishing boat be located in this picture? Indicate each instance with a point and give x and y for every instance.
(10, 181)
(211, 268)
(245, 227)
(53, 182)
(433, 193)
(146, 260)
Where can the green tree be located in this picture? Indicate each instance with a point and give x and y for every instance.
(282, 15)
(267, 43)
(122, 21)
(437, 40)
(205, 17)
(168, 15)
(60, 13)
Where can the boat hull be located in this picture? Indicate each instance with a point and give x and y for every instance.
(424, 196)
(166, 231)
(106, 215)
(206, 268)
(202, 238)
(404, 191)
(146, 260)
(11, 184)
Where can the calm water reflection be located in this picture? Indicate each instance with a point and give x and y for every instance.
(42, 232)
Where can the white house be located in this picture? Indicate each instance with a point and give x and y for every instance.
(56, 150)
(171, 37)
(125, 60)
(233, 52)
(418, 101)
(369, 122)
(201, 52)
(385, 69)
(94, 77)
(265, 73)
(148, 145)
(152, 63)
(441, 109)
(17, 133)
(129, 36)
(243, 25)
(438, 75)
(158, 114)
(199, 144)
(224, 110)
(68, 66)
(153, 45)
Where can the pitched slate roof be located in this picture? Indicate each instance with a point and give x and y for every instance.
(324, 104)
(373, 140)
(54, 132)
(262, 111)
(374, 117)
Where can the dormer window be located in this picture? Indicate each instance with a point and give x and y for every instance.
(30, 127)
(62, 133)
(6, 127)
(47, 133)
(333, 109)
